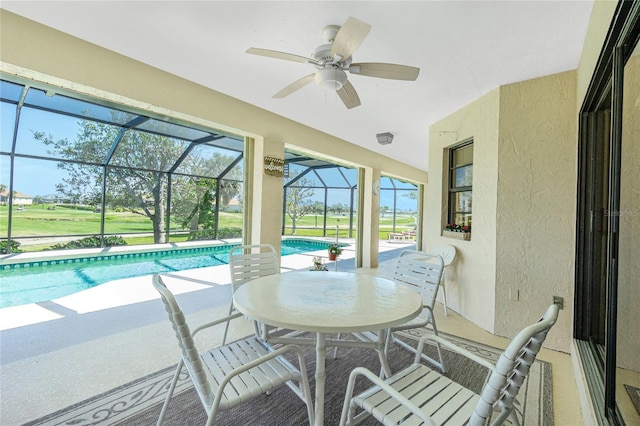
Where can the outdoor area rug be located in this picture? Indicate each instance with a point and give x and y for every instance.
(139, 402)
(634, 393)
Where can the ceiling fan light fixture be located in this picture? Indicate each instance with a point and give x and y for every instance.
(331, 78)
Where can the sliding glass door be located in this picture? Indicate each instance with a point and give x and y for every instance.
(607, 268)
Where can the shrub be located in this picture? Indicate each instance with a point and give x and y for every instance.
(13, 245)
(208, 234)
(91, 242)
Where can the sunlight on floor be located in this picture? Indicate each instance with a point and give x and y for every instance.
(111, 295)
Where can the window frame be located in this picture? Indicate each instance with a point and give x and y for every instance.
(453, 190)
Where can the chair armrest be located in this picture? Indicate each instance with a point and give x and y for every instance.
(216, 322)
(455, 348)
(362, 371)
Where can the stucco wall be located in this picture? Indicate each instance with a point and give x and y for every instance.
(524, 180)
(472, 277)
(536, 189)
(629, 266)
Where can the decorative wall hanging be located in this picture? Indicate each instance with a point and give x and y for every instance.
(273, 166)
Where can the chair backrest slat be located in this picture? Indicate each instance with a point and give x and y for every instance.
(511, 370)
(421, 271)
(252, 261)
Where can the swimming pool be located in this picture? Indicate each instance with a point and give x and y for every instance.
(42, 280)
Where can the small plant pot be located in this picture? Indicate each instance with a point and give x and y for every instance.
(333, 256)
(466, 236)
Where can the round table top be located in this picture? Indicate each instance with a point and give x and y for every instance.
(327, 302)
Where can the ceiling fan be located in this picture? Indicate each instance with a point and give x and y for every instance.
(334, 58)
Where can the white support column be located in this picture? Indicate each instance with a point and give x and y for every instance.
(263, 194)
(368, 213)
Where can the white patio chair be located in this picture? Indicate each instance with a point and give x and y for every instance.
(419, 395)
(448, 254)
(246, 263)
(421, 272)
(226, 376)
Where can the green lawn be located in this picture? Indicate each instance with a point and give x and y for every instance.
(311, 225)
(41, 220)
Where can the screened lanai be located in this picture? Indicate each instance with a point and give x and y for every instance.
(320, 199)
(79, 172)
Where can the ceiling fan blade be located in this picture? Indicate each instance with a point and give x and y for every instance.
(349, 95)
(380, 70)
(279, 55)
(349, 38)
(296, 85)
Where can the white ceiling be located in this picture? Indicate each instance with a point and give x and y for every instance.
(463, 48)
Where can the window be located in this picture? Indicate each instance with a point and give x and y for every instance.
(460, 183)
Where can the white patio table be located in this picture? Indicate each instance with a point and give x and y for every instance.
(327, 303)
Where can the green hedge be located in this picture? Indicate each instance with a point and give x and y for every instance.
(210, 235)
(91, 242)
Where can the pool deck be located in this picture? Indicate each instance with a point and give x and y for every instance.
(56, 353)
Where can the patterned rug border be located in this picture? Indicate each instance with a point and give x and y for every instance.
(129, 399)
(634, 394)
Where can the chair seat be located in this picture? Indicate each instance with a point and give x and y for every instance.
(439, 397)
(258, 380)
(419, 395)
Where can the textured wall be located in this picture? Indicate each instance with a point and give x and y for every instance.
(629, 266)
(472, 277)
(524, 187)
(536, 204)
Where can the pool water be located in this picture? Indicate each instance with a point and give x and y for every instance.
(41, 281)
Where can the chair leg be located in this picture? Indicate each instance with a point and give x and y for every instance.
(438, 348)
(444, 298)
(424, 357)
(302, 389)
(335, 350)
(348, 409)
(514, 417)
(170, 393)
(226, 327)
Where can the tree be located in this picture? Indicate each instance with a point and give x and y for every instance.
(338, 208)
(193, 199)
(412, 195)
(297, 199)
(383, 210)
(136, 177)
(202, 214)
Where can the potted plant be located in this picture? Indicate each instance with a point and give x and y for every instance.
(460, 232)
(334, 251)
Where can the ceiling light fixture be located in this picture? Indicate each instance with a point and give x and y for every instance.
(331, 78)
(384, 138)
